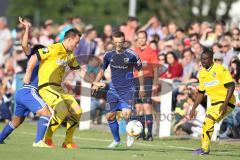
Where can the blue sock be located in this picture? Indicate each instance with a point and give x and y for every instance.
(114, 129)
(41, 127)
(7, 130)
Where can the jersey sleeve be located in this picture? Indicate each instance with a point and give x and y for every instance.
(43, 54)
(106, 61)
(73, 63)
(225, 76)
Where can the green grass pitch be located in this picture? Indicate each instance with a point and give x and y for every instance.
(92, 146)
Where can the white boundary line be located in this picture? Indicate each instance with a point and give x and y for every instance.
(108, 140)
(140, 144)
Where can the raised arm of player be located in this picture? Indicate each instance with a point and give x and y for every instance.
(97, 84)
(25, 38)
(31, 64)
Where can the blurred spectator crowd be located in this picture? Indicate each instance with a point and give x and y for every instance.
(178, 50)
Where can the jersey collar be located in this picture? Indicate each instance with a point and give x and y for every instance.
(210, 67)
(64, 48)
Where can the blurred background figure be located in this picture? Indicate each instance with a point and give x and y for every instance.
(107, 33)
(87, 46)
(130, 28)
(6, 41)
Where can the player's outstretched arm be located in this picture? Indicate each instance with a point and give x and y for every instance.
(31, 64)
(97, 84)
(199, 99)
(99, 75)
(25, 38)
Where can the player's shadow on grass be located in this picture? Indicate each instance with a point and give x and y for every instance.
(221, 153)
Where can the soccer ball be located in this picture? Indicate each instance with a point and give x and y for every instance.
(134, 128)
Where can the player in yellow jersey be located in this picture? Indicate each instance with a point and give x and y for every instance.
(54, 61)
(216, 81)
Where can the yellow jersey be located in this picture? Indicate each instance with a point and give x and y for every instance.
(212, 82)
(53, 62)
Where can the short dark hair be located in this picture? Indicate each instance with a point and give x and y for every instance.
(72, 33)
(188, 50)
(208, 51)
(130, 18)
(144, 32)
(87, 32)
(118, 34)
(180, 30)
(194, 35)
(220, 22)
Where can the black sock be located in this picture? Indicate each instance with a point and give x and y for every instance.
(142, 120)
(149, 121)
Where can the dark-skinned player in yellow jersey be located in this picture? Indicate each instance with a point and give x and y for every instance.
(216, 81)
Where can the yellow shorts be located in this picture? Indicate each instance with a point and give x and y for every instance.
(213, 111)
(56, 96)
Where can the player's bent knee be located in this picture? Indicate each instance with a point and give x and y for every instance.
(126, 116)
(140, 113)
(208, 116)
(44, 112)
(111, 116)
(77, 110)
(17, 121)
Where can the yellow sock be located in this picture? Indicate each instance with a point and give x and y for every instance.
(72, 124)
(56, 120)
(208, 128)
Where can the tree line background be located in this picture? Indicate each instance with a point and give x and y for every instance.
(100, 12)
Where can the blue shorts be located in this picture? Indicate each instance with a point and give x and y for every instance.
(118, 100)
(28, 100)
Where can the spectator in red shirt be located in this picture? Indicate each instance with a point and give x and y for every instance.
(175, 69)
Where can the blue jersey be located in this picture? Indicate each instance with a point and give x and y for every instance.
(122, 66)
(34, 77)
(27, 97)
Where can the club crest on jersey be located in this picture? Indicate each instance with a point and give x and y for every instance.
(61, 62)
(126, 60)
(214, 74)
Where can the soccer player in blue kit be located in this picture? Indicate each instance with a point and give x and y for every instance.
(121, 91)
(28, 99)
